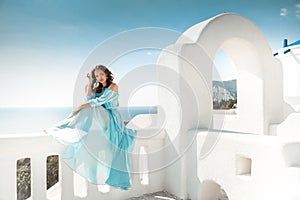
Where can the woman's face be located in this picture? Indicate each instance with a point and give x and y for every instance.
(100, 76)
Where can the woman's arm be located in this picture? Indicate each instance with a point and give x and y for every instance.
(85, 105)
(89, 90)
(89, 87)
(88, 95)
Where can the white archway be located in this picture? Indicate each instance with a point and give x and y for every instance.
(260, 97)
(211, 190)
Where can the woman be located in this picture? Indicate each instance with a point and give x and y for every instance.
(99, 144)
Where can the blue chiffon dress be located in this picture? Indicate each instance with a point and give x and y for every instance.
(99, 145)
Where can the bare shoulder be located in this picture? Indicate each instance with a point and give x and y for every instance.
(114, 87)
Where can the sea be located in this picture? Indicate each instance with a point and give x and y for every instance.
(35, 119)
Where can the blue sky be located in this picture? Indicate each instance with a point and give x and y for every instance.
(45, 42)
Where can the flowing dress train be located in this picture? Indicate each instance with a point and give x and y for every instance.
(99, 145)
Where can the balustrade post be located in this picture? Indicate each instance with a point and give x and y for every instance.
(38, 177)
(67, 180)
(8, 180)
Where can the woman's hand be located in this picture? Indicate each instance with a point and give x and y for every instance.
(90, 77)
(85, 105)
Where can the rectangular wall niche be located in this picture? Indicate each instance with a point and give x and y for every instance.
(243, 165)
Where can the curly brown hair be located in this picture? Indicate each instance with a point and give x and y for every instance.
(109, 78)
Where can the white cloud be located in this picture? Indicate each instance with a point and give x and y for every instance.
(283, 12)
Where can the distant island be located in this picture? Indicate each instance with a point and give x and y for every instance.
(224, 94)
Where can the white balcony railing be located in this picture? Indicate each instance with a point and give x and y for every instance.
(38, 146)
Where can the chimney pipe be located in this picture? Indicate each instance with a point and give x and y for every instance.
(285, 43)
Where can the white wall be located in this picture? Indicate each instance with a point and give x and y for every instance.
(291, 75)
(274, 166)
